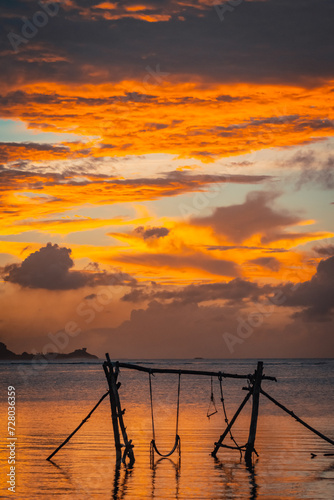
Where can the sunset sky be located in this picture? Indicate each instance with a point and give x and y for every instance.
(167, 177)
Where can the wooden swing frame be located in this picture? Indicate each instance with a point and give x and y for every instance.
(111, 370)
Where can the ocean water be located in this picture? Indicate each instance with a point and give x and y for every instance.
(52, 399)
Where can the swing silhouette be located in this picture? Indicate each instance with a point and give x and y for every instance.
(212, 403)
(177, 443)
(254, 390)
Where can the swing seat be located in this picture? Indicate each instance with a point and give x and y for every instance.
(212, 413)
(154, 446)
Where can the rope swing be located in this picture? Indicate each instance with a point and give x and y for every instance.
(237, 447)
(212, 403)
(177, 444)
(212, 410)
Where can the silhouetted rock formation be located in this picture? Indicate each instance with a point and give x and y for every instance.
(7, 355)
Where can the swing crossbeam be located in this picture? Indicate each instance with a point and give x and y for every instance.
(132, 366)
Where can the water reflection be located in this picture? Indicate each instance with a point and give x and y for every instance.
(327, 472)
(51, 407)
(230, 475)
(177, 468)
(252, 481)
(121, 477)
(76, 487)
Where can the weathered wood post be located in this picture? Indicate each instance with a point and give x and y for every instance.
(117, 415)
(255, 412)
(112, 378)
(128, 451)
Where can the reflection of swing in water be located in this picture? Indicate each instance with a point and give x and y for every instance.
(177, 468)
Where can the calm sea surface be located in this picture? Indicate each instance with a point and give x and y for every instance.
(52, 401)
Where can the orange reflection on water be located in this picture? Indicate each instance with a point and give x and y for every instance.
(85, 467)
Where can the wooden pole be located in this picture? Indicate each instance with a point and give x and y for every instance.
(227, 430)
(79, 426)
(128, 443)
(255, 411)
(109, 372)
(325, 438)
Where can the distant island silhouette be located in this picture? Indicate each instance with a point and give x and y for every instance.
(7, 355)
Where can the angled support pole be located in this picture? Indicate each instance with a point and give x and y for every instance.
(79, 427)
(255, 412)
(312, 429)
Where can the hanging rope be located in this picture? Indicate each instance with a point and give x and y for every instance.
(177, 444)
(226, 419)
(212, 403)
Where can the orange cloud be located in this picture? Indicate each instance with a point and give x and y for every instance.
(36, 200)
(106, 5)
(232, 241)
(189, 252)
(158, 115)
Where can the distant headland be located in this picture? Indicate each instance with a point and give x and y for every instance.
(7, 355)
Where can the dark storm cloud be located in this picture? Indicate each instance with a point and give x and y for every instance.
(323, 176)
(326, 250)
(233, 291)
(316, 124)
(177, 176)
(14, 177)
(19, 98)
(50, 268)
(189, 330)
(299, 124)
(25, 147)
(270, 262)
(259, 122)
(315, 170)
(151, 232)
(254, 216)
(192, 260)
(175, 182)
(312, 300)
(268, 41)
(225, 248)
(316, 296)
